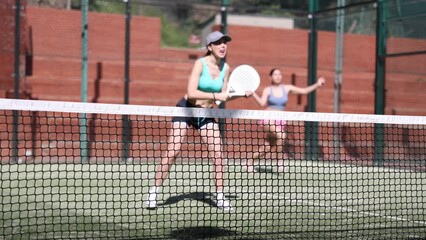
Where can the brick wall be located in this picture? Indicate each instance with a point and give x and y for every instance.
(287, 50)
(58, 33)
(7, 22)
(7, 43)
(56, 52)
(54, 138)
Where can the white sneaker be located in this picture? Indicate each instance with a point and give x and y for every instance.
(224, 205)
(151, 202)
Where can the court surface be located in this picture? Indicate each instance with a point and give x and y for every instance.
(310, 200)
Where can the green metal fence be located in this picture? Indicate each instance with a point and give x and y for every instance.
(380, 48)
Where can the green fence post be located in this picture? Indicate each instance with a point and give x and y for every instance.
(224, 16)
(311, 128)
(224, 30)
(126, 122)
(16, 76)
(84, 66)
(338, 72)
(379, 99)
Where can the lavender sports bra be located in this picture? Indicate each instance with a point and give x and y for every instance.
(278, 103)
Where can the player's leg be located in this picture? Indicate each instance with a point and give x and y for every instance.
(276, 137)
(177, 133)
(174, 143)
(260, 153)
(268, 127)
(210, 135)
(280, 149)
(278, 132)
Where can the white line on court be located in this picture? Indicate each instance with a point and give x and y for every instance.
(145, 175)
(347, 209)
(318, 204)
(312, 203)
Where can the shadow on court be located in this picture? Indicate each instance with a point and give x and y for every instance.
(207, 198)
(206, 232)
(266, 170)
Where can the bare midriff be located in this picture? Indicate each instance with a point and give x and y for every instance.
(205, 103)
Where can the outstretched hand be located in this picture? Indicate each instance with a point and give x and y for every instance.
(321, 81)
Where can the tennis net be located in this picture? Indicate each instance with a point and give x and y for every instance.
(85, 170)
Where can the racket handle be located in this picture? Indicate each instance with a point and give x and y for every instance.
(234, 94)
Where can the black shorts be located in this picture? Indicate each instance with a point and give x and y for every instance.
(195, 122)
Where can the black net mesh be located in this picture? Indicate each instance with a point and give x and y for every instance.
(361, 186)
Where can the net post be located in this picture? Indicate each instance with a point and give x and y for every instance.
(125, 118)
(379, 97)
(311, 128)
(84, 67)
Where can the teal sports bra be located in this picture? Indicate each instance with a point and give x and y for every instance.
(207, 83)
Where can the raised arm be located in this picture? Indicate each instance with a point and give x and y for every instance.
(306, 90)
(262, 100)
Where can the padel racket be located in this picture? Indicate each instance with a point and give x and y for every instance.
(244, 78)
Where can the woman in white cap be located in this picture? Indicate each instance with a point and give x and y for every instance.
(274, 98)
(207, 83)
